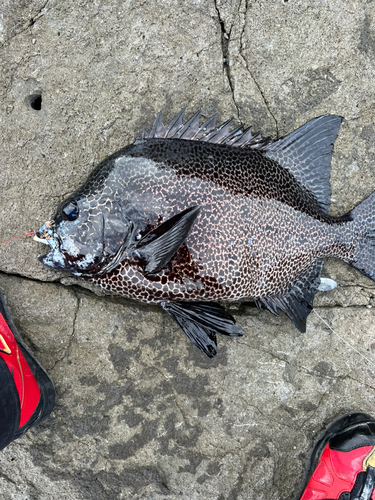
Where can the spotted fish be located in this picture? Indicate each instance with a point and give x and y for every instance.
(189, 215)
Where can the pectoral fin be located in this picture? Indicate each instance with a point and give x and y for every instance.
(201, 321)
(158, 246)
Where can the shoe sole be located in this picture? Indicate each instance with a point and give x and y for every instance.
(47, 391)
(346, 422)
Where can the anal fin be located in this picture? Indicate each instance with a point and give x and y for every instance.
(297, 301)
(201, 321)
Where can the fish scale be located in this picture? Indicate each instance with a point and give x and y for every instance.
(187, 216)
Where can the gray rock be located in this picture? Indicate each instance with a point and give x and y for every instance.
(140, 412)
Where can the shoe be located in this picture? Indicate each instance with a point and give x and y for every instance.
(27, 395)
(342, 463)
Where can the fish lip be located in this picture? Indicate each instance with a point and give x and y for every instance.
(58, 267)
(46, 233)
(54, 241)
(48, 236)
(55, 258)
(41, 240)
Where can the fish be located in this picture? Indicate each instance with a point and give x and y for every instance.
(191, 217)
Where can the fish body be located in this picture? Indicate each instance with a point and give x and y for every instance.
(190, 215)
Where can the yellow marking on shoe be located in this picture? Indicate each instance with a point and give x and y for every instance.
(5, 347)
(22, 380)
(369, 460)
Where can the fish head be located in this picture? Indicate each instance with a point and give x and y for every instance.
(88, 235)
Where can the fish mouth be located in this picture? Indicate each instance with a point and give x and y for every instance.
(54, 258)
(40, 240)
(87, 265)
(60, 259)
(46, 234)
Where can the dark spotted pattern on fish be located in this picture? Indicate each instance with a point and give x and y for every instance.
(245, 262)
(240, 171)
(188, 215)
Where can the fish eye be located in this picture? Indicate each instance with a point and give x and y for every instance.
(70, 211)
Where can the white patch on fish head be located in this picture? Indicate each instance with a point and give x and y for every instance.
(95, 238)
(76, 245)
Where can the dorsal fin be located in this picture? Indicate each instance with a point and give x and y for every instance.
(158, 129)
(205, 133)
(174, 125)
(307, 154)
(190, 129)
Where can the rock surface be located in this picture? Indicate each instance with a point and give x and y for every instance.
(140, 413)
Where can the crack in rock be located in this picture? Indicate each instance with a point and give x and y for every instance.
(38, 15)
(41, 12)
(225, 39)
(265, 100)
(72, 335)
(7, 478)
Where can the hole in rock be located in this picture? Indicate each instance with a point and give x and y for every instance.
(35, 101)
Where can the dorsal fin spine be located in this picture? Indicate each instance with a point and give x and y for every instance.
(208, 132)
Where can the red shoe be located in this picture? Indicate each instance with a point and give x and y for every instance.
(27, 395)
(342, 463)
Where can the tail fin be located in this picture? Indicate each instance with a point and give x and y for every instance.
(363, 216)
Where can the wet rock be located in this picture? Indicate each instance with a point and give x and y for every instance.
(140, 413)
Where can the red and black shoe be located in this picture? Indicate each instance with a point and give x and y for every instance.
(27, 395)
(342, 463)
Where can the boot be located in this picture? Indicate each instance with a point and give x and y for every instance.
(342, 463)
(27, 395)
